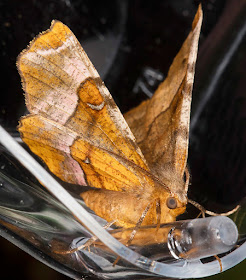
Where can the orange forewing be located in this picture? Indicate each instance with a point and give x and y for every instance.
(79, 132)
(74, 120)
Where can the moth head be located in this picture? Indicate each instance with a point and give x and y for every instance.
(172, 193)
(175, 208)
(171, 206)
(176, 198)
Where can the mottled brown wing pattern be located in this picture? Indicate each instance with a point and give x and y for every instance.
(161, 124)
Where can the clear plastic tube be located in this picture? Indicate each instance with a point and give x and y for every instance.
(201, 238)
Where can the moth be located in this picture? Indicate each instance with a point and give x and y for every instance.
(137, 164)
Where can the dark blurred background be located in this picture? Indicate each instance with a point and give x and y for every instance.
(132, 44)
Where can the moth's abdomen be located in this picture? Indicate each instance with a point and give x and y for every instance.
(125, 208)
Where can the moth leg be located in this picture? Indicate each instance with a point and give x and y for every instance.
(158, 214)
(194, 250)
(94, 238)
(200, 213)
(198, 206)
(87, 243)
(135, 229)
(220, 263)
(188, 253)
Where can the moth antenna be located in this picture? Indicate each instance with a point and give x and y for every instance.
(211, 213)
(197, 205)
(187, 179)
(225, 213)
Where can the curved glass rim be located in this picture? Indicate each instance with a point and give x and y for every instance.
(181, 268)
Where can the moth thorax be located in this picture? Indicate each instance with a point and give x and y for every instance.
(177, 188)
(172, 184)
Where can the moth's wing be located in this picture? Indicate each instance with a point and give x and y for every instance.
(161, 124)
(74, 125)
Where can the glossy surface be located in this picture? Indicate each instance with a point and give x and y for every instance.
(217, 182)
